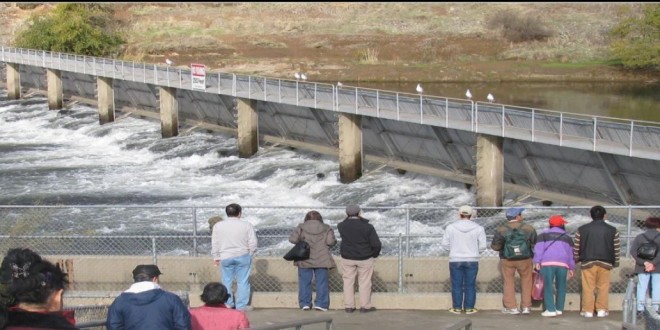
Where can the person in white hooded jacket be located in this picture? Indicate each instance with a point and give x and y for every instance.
(465, 240)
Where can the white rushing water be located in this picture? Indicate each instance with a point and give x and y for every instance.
(67, 158)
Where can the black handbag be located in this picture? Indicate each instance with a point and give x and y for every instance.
(298, 252)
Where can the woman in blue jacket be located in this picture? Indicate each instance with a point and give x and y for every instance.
(553, 257)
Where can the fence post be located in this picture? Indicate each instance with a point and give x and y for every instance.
(408, 232)
(400, 264)
(194, 216)
(629, 231)
(153, 250)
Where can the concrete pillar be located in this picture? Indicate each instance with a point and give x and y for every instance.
(490, 170)
(106, 98)
(54, 78)
(350, 147)
(14, 81)
(248, 128)
(169, 112)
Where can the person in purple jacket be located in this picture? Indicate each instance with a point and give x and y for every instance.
(553, 257)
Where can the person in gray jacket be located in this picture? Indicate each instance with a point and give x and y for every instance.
(648, 271)
(320, 238)
(465, 240)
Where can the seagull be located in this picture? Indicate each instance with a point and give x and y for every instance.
(168, 62)
(490, 98)
(297, 75)
(339, 84)
(420, 89)
(468, 95)
(303, 76)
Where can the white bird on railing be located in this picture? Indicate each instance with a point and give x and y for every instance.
(419, 89)
(468, 95)
(168, 62)
(297, 75)
(339, 84)
(303, 76)
(490, 98)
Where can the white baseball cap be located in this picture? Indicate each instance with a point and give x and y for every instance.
(465, 210)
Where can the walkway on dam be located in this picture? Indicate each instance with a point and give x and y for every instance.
(434, 319)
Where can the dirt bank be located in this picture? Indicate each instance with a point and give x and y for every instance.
(418, 42)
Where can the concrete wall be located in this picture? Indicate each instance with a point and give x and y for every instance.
(426, 281)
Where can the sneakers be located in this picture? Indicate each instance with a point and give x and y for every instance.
(349, 309)
(455, 310)
(246, 308)
(471, 311)
(549, 314)
(319, 308)
(367, 310)
(587, 314)
(525, 310)
(602, 313)
(559, 312)
(305, 308)
(513, 311)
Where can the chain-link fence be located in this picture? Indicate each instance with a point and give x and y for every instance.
(411, 259)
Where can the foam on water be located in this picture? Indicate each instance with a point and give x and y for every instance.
(67, 156)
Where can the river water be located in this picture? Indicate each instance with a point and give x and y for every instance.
(630, 100)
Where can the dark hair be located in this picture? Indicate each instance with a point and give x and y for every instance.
(313, 215)
(233, 210)
(141, 277)
(30, 279)
(652, 222)
(214, 293)
(597, 212)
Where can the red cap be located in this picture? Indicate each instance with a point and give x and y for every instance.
(556, 221)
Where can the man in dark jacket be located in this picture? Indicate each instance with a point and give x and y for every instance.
(359, 247)
(145, 306)
(597, 248)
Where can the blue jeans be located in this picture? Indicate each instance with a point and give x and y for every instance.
(643, 284)
(554, 277)
(305, 287)
(238, 268)
(463, 276)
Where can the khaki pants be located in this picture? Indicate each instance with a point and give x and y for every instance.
(364, 269)
(524, 268)
(595, 281)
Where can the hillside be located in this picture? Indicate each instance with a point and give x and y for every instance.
(371, 41)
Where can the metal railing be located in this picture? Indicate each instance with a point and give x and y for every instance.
(462, 324)
(298, 324)
(596, 133)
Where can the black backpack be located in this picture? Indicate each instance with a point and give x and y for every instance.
(516, 245)
(649, 249)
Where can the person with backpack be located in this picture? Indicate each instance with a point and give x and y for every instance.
(597, 249)
(515, 241)
(647, 266)
(553, 259)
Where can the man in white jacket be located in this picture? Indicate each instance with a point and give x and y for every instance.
(465, 240)
(233, 243)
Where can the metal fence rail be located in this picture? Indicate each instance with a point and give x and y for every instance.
(297, 324)
(597, 133)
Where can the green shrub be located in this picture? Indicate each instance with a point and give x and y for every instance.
(636, 41)
(517, 28)
(78, 28)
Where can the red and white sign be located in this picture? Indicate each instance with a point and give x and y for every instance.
(198, 75)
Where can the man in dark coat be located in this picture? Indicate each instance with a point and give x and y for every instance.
(360, 246)
(145, 306)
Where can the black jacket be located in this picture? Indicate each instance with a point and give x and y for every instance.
(598, 242)
(19, 319)
(359, 240)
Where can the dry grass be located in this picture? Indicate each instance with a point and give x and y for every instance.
(369, 56)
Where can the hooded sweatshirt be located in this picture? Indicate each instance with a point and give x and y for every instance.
(465, 240)
(145, 306)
